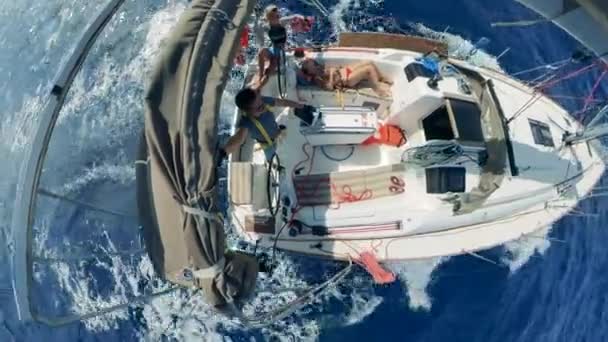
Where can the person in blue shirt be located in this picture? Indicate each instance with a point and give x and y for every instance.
(258, 121)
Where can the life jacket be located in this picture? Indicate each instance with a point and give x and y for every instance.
(268, 142)
(387, 135)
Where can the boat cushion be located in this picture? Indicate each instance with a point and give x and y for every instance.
(350, 186)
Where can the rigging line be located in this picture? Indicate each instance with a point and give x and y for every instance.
(72, 258)
(594, 89)
(481, 257)
(318, 5)
(569, 75)
(546, 77)
(601, 194)
(143, 299)
(519, 23)
(586, 215)
(598, 116)
(544, 66)
(568, 97)
(268, 318)
(546, 238)
(503, 53)
(51, 194)
(321, 7)
(535, 97)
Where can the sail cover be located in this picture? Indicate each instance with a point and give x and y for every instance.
(585, 20)
(184, 238)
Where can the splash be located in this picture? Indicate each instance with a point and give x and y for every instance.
(416, 277)
(121, 173)
(460, 48)
(520, 251)
(181, 315)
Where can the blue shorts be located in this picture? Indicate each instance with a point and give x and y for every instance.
(269, 152)
(275, 51)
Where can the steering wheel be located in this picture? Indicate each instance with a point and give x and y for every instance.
(273, 181)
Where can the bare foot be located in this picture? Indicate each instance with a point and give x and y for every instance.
(382, 92)
(383, 89)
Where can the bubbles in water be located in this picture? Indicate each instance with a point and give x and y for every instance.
(520, 251)
(415, 277)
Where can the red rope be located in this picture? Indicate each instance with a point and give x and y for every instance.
(538, 90)
(593, 90)
(347, 195)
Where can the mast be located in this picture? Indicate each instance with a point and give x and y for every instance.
(585, 20)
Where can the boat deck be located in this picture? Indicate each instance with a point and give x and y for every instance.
(397, 208)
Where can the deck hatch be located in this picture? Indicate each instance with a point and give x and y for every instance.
(455, 119)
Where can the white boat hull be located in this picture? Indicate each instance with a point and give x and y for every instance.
(414, 224)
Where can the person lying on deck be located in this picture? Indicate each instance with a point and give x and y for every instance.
(274, 27)
(347, 77)
(258, 121)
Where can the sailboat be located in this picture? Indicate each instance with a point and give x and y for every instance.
(480, 159)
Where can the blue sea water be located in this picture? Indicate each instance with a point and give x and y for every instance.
(542, 290)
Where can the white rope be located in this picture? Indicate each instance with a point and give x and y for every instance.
(201, 213)
(142, 162)
(552, 66)
(210, 272)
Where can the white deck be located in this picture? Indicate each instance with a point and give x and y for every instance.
(428, 227)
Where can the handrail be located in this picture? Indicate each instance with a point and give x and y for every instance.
(505, 126)
(25, 199)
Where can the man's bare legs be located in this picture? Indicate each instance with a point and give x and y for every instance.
(266, 66)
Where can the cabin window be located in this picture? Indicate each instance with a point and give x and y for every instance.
(467, 117)
(438, 125)
(541, 132)
(440, 180)
(456, 119)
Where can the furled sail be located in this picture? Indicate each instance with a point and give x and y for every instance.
(177, 192)
(586, 20)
